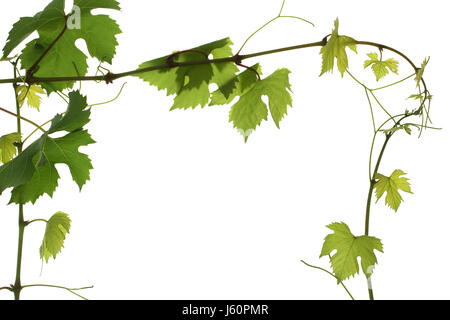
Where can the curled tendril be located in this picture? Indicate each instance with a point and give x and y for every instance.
(109, 101)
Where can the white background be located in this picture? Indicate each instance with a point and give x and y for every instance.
(178, 207)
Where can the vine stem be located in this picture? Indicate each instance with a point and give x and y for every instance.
(109, 77)
(369, 202)
(17, 287)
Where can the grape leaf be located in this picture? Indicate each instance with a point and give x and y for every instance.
(250, 110)
(45, 177)
(335, 48)
(7, 148)
(348, 248)
(391, 185)
(190, 83)
(236, 86)
(381, 68)
(55, 234)
(76, 116)
(27, 25)
(31, 94)
(98, 31)
(36, 164)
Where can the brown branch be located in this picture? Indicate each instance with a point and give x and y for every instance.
(23, 118)
(249, 68)
(6, 288)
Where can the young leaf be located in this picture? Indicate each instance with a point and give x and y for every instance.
(381, 68)
(190, 83)
(348, 248)
(402, 127)
(36, 164)
(335, 48)
(421, 96)
(55, 234)
(98, 31)
(418, 96)
(419, 73)
(391, 185)
(250, 110)
(7, 148)
(31, 94)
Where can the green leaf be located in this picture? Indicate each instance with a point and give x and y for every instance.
(335, 48)
(36, 164)
(7, 148)
(45, 176)
(381, 68)
(390, 186)
(55, 234)
(98, 31)
(76, 116)
(31, 94)
(250, 109)
(237, 86)
(420, 71)
(190, 83)
(27, 25)
(348, 248)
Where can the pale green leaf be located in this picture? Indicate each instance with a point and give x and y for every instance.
(348, 248)
(55, 234)
(7, 148)
(335, 49)
(250, 110)
(236, 86)
(421, 70)
(31, 94)
(381, 68)
(391, 185)
(402, 127)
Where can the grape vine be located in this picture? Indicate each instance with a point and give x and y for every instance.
(52, 64)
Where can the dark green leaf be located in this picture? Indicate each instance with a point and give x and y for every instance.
(191, 83)
(65, 59)
(36, 164)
